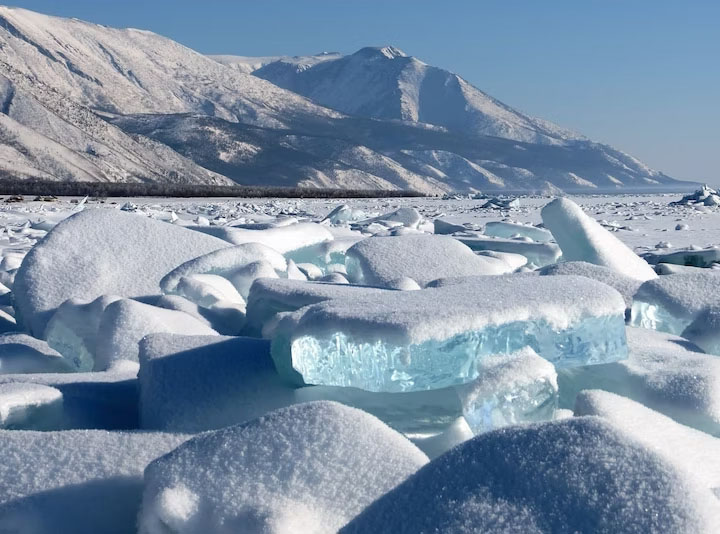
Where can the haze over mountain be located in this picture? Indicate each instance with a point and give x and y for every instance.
(81, 101)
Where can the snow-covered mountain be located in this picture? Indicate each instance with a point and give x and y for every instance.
(81, 101)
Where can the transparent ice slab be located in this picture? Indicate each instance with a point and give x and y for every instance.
(655, 317)
(377, 365)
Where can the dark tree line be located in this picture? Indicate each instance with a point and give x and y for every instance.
(113, 189)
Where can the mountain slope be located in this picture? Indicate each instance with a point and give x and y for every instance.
(385, 83)
(80, 101)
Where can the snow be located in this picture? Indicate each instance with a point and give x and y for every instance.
(672, 302)
(663, 372)
(539, 254)
(509, 230)
(30, 407)
(125, 322)
(515, 388)
(100, 252)
(81, 481)
(224, 262)
(389, 341)
(283, 239)
(525, 480)
(20, 353)
(686, 448)
(195, 383)
(310, 467)
(581, 238)
(380, 261)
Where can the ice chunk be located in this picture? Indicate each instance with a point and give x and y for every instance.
(105, 400)
(582, 238)
(515, 388)
(101, 252)
(73, 328)
(280, 238)
(244, 278)
(662, 372)
(685, 447)
(213, 292)
(269, 297)
(125, 322)
(344, 214)
(194, 383)
(434, 338)
(539, 254)
(446, 228)
(30, 407)
(575, 475)
(20, 353)
(704, 331)
(626, 285)
(77, 481)
(455, 434)
(293, 272)
(690, 257)
(326, 253)
(508, 230)
(307, 468)
(670, 303)
(380, 260)
(407, 217)
(224, 262)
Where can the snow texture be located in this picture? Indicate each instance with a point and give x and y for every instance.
(20, 353)
(310, 467)
(524, 480)
(30, 407)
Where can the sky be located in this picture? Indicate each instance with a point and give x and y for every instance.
(640, 75)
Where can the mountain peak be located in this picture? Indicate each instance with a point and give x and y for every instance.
(389, 52)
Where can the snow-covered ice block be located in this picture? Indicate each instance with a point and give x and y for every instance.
(514, 261)
(515, 388)
(125, 322)
(268, 297)
(704, 258)
(345, 214)
(452, 436)
(508, 230)
(244, 278)
(20, 353)
(417, 414)
(435, 338)
(670, 303)
(194, 383)
(381, 260)
(626, 285)
(73, 328)
(582, 238)
(306, 468)
(77, 481)
(213, 292)
(407, 217)
(539, 254)
(574, 475)
(326, 253)
(446, 228)
(107, 400)
(280, 238)
(704, 331)
(101, 252)
(30, 407)
(224, 262)
(662, 372)
(695, 451)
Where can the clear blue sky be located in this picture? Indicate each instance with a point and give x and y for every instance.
(641, 75)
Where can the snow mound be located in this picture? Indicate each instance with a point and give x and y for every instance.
(30, 407)
(82, 480)
(101, 252)
(382, 260)
(224, 262)
(280, 238)
(625, 285)
(125, 322)
(389, 341)
(575, 475)
(307, 468)
(508, 230)
(684, 447)
(582, 238)
(705, 196)
(194, 383)
(20, 353)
